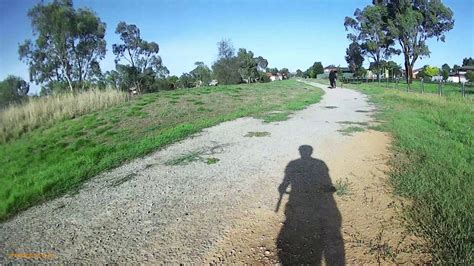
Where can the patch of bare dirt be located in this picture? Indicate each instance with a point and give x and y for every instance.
(371, 224)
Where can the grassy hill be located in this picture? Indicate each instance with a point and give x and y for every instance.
(51, 159)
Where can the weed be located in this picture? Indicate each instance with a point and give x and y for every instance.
(353, 123)
(257, 134)
(342, 187)
(349, 130)
(212, 160)
(275, 117)
(185, 159)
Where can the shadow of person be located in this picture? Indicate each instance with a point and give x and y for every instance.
(311, 232)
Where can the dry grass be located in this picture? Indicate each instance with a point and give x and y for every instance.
(19, 119)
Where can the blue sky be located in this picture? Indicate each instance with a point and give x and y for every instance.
(290, 34)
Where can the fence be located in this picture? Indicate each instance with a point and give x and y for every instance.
(441, 87)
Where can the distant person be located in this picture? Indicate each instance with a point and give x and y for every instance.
(332, 78)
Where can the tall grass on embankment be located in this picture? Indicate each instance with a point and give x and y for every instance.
(18, 119)
(51, 160)
(433, 165)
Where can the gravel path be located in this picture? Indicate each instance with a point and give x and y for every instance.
(149, 211)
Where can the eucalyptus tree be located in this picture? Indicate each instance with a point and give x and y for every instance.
(412, 23)
(369, 31)
(354, 57)
(13, 90)
(247, 65)
(201, 73)
(142, 63)
(69, 44)
(226, 68)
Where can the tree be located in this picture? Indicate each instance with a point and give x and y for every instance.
(354, 57)
(412, 23)
(468, 61)
(141, 56)
(262, 63)
(247, 65)
(186, 81)
(299, 73)
(470, 76)
(393, 68)
(445, 69)
(201, 73)
(369, 31)
(274, 70)
(431, 71)
(225, 49)
(285, 73)
(68, 46)
(315, 69)
(13, 90)
(226, 68)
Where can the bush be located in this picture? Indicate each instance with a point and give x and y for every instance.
(264, 78)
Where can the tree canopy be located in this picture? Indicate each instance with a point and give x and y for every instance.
(144, 64)
(13, 90)
(412, 23)
(369, 36)
(354, 57)
(69, 43)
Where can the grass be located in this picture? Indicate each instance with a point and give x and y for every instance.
(17, 120)
(448, 89)
(212, 160)
(433, 165)
(342, 187)
(185, 159)
(258, 134)
(58, 156)
(347, 131)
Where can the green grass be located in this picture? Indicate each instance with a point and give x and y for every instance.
(55, 158)
(433, 166)
(212, 160)
(342, 187)
(347, 131)
(450, 89)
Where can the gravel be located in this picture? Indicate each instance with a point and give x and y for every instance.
(149, 211)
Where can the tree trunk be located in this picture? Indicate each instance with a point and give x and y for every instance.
(408, 71)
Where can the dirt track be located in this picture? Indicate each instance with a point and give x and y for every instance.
(147, 211)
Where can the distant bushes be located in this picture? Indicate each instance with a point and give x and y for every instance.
(16, 120)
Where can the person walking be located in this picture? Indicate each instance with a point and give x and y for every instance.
(332, 78)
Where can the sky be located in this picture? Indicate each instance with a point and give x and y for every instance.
(292, 34)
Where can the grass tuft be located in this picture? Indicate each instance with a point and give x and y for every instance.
(258, 134)
(342, 187)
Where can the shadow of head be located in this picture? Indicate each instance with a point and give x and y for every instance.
(305, 151)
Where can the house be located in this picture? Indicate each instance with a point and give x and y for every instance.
(415, 72)
(437, 78)
(346, 72)
(460, 75)
(329, 69)
(273, 77)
